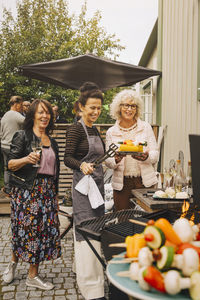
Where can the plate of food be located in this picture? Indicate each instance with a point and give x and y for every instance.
(131, 147)
(132, 288)
(162, 262)
(170, 194)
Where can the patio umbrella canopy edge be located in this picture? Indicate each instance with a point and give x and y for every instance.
(71, 73)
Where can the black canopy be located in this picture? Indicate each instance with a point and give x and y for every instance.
(73, 72)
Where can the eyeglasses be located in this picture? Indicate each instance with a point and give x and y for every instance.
(127, 106)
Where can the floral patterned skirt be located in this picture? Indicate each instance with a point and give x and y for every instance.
(35, 223)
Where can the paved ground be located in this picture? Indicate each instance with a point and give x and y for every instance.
(59, 272)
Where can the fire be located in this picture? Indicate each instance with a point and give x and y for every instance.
(192, 220)
(185, 208)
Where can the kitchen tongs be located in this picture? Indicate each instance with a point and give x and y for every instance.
(109, 153)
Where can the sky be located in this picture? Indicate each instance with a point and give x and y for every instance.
(131, 20)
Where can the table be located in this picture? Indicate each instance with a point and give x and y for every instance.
(151, 205)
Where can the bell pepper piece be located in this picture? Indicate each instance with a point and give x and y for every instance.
(134, 244)
(168, 230)
(154, 278)
(184, 246)
(198, 236)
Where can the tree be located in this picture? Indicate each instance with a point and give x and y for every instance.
(43, 30)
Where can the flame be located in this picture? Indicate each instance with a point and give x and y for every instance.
(192, 220)
(185, 208)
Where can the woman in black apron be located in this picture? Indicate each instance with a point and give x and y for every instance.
(84, 146)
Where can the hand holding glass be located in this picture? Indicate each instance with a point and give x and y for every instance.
(37, 148)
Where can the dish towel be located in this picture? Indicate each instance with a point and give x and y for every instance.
(87, 186)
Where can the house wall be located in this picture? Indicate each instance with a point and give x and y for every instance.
(180, 108)
(152, 64)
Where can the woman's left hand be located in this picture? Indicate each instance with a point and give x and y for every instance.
(87, 168)
(141, 157)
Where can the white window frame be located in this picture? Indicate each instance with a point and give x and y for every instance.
(147, 97)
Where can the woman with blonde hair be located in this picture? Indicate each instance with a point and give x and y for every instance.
(130, 171)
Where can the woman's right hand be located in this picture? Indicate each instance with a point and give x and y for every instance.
(87, 168)
(118, 157)
(33, 158)
(16, 164)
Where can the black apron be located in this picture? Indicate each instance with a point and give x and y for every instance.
(82, 209)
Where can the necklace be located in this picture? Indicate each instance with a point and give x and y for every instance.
(128, 129)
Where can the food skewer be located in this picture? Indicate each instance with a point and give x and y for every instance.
(132, 273)
(163, 248)
(125, 260)
(118, 245)
(118, 256)
(138, 222)
(165, 226)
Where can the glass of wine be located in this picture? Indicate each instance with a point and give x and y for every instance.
(36, 146)
(167, 178)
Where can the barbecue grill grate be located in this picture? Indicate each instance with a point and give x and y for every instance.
(118, 222)
(96, 225)
(126, 228)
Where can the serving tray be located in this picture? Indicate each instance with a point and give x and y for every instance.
(171, 199)
(130, 153)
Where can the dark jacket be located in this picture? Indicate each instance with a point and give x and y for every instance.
(21, 147)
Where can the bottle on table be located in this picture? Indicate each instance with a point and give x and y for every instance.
(189, 179)
(179, 177)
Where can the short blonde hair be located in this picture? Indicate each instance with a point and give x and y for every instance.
(123, 96)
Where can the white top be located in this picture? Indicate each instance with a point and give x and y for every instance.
(143, 132)
(131, 166)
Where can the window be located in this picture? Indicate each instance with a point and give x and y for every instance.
(147, 95)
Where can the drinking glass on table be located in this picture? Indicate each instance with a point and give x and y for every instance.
(36, 146)
(167, 177)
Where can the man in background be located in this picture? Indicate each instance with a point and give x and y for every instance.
(11, 121)
(57, 118)
(25, 105)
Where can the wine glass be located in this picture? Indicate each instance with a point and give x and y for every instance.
(36, 146)
(167, 178)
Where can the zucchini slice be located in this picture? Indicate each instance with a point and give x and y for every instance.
(167, 256)
(195, 286)
(159, 237)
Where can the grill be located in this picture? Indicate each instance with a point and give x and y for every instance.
(93, 227)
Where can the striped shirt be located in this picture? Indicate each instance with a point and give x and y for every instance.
(77, 144)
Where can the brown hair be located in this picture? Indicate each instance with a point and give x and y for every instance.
(29, 120)
(89, 90)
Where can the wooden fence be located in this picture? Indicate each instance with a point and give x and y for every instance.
(59, 134)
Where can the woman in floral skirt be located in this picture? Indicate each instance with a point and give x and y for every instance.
(34, 205)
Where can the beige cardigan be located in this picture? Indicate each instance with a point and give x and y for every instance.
(144, 133)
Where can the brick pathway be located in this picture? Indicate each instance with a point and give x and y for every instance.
(59, 272)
